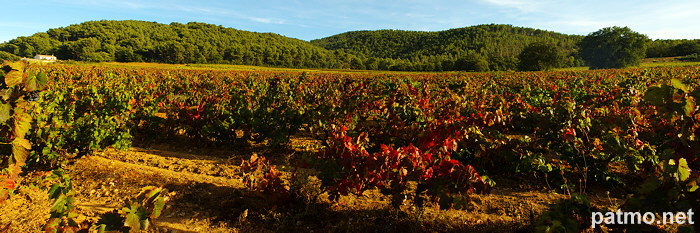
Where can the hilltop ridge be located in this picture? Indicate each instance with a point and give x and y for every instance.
(474, 48)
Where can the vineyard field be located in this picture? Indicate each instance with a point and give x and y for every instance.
(238, 150)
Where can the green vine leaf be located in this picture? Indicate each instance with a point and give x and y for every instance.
(35, 82)
(158, 207)
(659, 95)
(61, 206)
(133, 220)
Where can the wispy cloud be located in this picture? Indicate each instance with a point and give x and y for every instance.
(191, 9)
(195, 9)
(267, 20)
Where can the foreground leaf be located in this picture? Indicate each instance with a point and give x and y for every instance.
(20, 151)
(13, 78)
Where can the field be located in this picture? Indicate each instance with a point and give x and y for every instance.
(235, 149)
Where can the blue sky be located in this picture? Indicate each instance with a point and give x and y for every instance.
(313, 19)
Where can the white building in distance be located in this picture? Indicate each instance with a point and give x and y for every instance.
(45, 57)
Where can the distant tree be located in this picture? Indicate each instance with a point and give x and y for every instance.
(472, 62)
(478, 64)
(687, 48)
(372, 64)
(85, 49)
(540, 56)
(5, 56)
(503, 63)
(127, 54)
(613, 47)
(356, 63)
(96, 57)
(673, 48)
(10, 48)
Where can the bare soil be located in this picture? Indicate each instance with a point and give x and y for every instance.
(207, 195)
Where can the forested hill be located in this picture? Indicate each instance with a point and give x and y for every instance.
(490, 40)
(137, 41)
(484, 47)
(476, 48)
(498, 45)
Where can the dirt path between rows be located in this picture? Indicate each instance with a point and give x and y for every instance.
(207, 195)
(199, 185)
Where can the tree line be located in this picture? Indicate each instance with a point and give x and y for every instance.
(478, 48)
(673, 48)
(139, 41)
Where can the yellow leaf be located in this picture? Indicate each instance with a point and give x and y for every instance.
(5, 110)
(22, 142)
(683, 169)
(679, 85)
(18, 65)
(22, 123)
(13, 78)
(20, 151)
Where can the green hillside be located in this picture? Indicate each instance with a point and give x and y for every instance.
(139, 41)
(476, 48)
(499, 45)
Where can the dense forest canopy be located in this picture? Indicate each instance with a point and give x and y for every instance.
(138, 41)
(673, 48)
(476, 48)
(499, 45)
